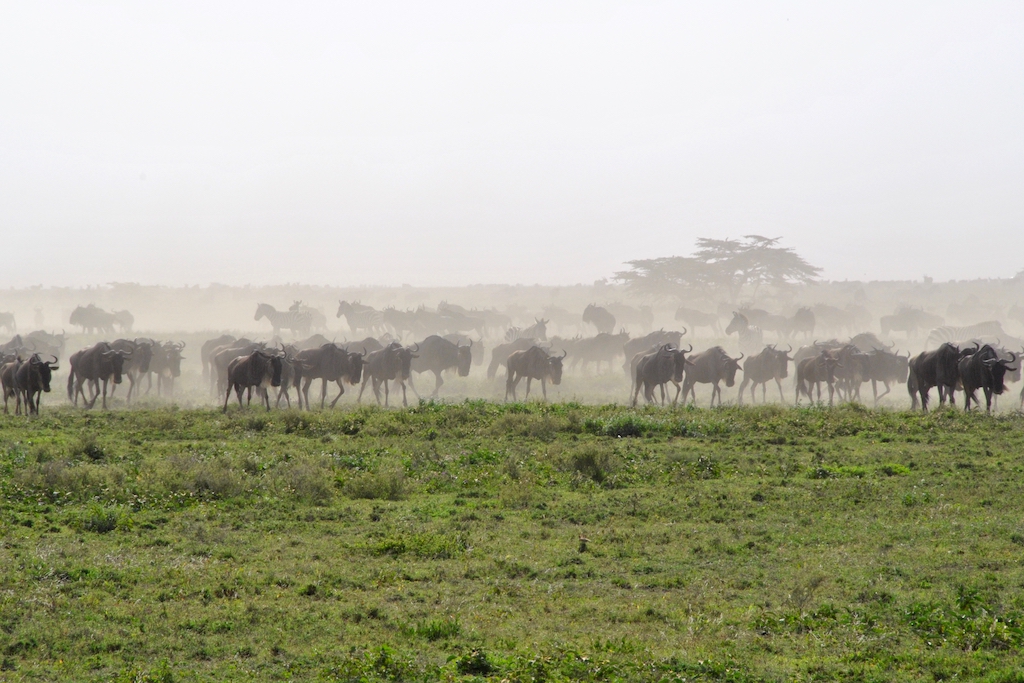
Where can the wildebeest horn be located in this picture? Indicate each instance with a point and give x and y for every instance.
(689, 349)
(417, 345)
(790, 349)
(740, 358)
(892, 344)
(564, 353)
(470, 343)
(56, 361)
(684, 330)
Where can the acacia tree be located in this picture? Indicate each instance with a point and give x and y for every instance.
(720, 265)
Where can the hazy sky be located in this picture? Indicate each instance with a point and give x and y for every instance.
(455, 143)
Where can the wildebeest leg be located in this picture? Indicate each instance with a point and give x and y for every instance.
(414, 388)
(387, 394)
(266, 396)
(366, 378)
(743, 387)
(528, 380)
(437, 386)
(341, 390)
(544, 385)
(105, 394)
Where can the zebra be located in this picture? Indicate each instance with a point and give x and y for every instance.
(318, 321)
(360, 317)
(751, 339)
(991, 329)
(298, 322)
(539, 330)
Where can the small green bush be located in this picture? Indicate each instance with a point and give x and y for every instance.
(377, 486)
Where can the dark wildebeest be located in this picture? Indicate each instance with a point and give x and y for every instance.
(886, 367)
(33, 378)
(92, 319)
(599, 318)
(256, 371)
(368, 345)
(851, 372)
(437, 354)
(751, 339)
(329, 363)
(299, 322)
(312, 342)
(221, 357)
(641, 345)
(392, 363)
(501, 352)
(602, 348)
(626, 315)
(802, 322)
(710, 367)
(909, 320)
(533, 363)
(477, 349)
(938, 368)
(208, 348)
(770, 364)
(696, 319)
(984, 370)
(657, 368)
(767, 322)
(811, 372)
(98, 363)
(9, 382)
(139, 355)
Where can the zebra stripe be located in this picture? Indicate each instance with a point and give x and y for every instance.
(958, 335)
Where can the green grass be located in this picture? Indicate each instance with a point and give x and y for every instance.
(521, 542)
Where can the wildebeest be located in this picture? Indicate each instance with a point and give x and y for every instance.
(654, 339)
(710, 367)
(533, 363)
(770, 364)
(221, 357)
(138, 355)
(166, 365)
(7, 322)
(477, 348)
(92, 319)
(501, 352)
(625, 315)
(125, 320)
(984, 370)
(767, 322)
(329, 363)
(601, 348)
(803, 321)
(209, 346)
(33, 378)
(256, 372)
(886, 367)
(367, 345)
(45, 343)
(811, 372)
(96, 364)
(392, 363)
(600, 318)
(299, 322)
(437, 354)
(695, 319)
(657, 368)
(938, 368)
(9, 382)
(751, 340)
(909, 320)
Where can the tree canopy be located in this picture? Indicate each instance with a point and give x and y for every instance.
(726, 265)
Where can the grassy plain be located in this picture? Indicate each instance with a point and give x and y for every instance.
(519, 542)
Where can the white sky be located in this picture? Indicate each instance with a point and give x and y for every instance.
(454, 143)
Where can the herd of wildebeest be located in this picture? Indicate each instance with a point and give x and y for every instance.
(398, 345)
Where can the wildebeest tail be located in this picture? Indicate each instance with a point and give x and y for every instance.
(71, 384)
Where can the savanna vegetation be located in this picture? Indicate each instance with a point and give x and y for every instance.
(512, 542)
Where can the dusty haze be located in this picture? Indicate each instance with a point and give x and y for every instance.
(445, 143)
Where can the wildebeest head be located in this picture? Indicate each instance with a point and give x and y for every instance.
(998, 367)
(355, 364)
(143, 354)
(116, 359)
(465, 358)
(173, 353)
(44, 369)
(276, 367)
(782, 360)
(555, 365)
(679, 356)
(729, 369)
